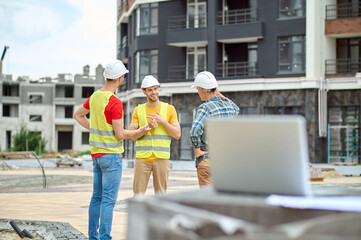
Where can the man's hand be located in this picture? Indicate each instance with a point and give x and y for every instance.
(153, 124)
(144, 129)
(157, 117)
(198, 152)
(220, 95)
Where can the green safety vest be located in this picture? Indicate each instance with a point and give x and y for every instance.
(159, 143)
(102, 138)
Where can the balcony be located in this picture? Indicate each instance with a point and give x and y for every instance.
(343, 20)
(236, 69)
(344, 10)
(239, 25)
(184, 72)
(237, 16)
(344, 66)
(187, 21)
(186, 29)
(123, 51)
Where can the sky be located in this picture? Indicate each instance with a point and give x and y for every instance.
(48, 37)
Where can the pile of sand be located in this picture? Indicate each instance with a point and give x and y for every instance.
(331, 174)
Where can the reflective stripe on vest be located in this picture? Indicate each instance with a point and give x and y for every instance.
(159, 143)
(150, 137)
(148, 148)
(102, 133)
(102, 138)
(106, 145)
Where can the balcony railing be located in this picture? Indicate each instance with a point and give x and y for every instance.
(237, 16)
(184, 72)
(343, 66)
(236, 69)
(187, 21)
(123, 49)
(343, 10)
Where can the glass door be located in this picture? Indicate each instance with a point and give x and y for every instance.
(196, 61)
(196, 13)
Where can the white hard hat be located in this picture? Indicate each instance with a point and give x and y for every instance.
(205, 80)
(149, 81)
(115, 70)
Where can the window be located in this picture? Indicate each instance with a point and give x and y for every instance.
(6, 110)
(85, 138)
(64, 91)
(291, 57)
(196, 61)
(291, 8)
(68, 111)
(147, 19)
(63, 111)
(146, 64)
(10, 90)
(10, 110)
(252, 58)
(196, 13)
(8, 140)
(348, 56)
(184, 144)
(35, 118)
(87, 92)
(35, 99)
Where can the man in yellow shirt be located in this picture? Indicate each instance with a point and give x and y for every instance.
(153, 148)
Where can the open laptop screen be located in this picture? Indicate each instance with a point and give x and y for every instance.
(259, 154)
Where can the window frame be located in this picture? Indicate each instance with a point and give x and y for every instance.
(31, 96)
(291, 10)
(196, 51)
(85, 136)
(290, 63)
(149, 54)
(153, 27)
(35, 118)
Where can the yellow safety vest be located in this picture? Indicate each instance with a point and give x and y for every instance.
(159, 143)
(102, 138)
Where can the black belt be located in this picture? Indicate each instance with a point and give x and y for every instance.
(199, 159)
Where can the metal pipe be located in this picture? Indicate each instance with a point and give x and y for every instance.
(42, 169)
(16, 228)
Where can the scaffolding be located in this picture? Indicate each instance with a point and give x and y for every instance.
(335, 145)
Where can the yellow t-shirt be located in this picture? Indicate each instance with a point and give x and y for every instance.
(171, 118)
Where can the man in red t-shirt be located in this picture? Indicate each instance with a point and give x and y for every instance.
(106, 145)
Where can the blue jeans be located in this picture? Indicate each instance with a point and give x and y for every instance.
(107, 172)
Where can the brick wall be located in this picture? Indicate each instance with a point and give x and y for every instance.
(343, 26)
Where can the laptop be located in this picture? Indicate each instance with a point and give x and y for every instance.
(259, 154)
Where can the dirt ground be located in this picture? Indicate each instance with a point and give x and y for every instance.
(13, 181)
(67, 196)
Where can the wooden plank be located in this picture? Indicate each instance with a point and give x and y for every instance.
(16, 155)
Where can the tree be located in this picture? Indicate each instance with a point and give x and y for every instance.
(32, 139)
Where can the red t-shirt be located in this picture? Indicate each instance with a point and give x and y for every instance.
(113, 110)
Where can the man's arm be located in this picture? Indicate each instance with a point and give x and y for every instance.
(172, 128)
(122, 133)
(80, 116)
(235, 107)
(198, 152)
(220, 95)
(197, 130)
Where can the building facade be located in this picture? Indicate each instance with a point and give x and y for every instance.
(270, 57)
(47, 106)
